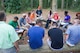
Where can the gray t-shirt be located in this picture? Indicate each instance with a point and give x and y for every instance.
(74, 34)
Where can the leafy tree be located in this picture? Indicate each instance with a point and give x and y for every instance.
(12, 6)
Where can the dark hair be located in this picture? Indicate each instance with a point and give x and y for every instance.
(55, 24)
(66, 12)
(38, 21)
(2, 16)
(29, 13)
(50, 12)
(16, 17)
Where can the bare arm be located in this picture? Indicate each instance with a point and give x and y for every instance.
(16, 46)
(66, 37)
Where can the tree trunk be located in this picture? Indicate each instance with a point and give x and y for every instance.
(62, 5)
(54, 5)
(31, 3)
(67, 4)
(2, 4)
(40, 3)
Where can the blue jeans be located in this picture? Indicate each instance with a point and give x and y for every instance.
(10, 50)
(47, 23)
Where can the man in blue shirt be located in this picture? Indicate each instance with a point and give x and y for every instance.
(73, 33)
(36, 34)
(23, 20)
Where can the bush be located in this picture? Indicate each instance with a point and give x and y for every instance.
(12, 6)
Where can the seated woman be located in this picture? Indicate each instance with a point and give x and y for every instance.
(49, 19)
(32, 18)
(55, 17)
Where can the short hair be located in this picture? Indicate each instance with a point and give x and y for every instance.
(38, 21)
(54, 24)
(16, 17)
(2, 16)
(29, 13)
(66, 12)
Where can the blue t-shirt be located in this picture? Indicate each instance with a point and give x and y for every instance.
(22, 21)
(36, 35)
(67, 18)
(74, 34)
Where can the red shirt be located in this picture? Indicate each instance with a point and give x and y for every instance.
(56, 16)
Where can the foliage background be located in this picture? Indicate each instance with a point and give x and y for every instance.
(18, 6)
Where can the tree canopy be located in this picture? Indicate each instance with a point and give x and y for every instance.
(17, 6)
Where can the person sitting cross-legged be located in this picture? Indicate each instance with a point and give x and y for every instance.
(55, 17)
(49, 19)
(55, 40)
(14, 22)
(15, 25)
(39, 12)
(23, 21)
(35, 35)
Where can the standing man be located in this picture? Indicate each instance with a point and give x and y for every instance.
(73, 33)
(55, 40)
(36, 34)
(8, 37)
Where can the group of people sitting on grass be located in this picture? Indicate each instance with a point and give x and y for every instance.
(35, 32)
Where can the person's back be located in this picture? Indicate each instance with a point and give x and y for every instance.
(74, 34)
(36, 34)
(35, 37)
(56, 36)
(8, 36)
(4, 36)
